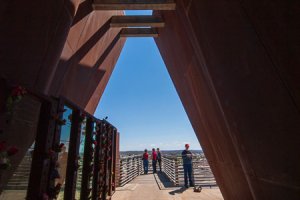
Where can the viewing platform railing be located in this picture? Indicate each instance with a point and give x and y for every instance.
(170, 167)
(202, 174)
(132, 166)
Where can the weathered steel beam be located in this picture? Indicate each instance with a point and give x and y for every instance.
(134, 5)
(137, 21)
(139, 32)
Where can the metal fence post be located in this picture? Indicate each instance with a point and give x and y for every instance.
(176, 172)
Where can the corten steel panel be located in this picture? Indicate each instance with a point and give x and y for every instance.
(32, 36)
(34, 52)
(194, 91)
(277, 24)
(88, 58)
(241, 100)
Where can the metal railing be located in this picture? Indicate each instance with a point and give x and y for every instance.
(130, 167)
(202, 174)
(170, 167)
(20, 177)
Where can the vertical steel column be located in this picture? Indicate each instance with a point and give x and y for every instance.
(96, 162)
(71, 175)
(113, 162)
(176, 172)
(40, 167)
(87, 159)
(105, 148)
(118, 162)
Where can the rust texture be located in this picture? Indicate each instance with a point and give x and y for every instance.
(60, 48)
(88, 58)
(234, 65)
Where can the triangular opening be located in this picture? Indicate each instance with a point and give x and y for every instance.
(141, 100)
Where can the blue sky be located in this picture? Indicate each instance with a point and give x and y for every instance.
(141, 101)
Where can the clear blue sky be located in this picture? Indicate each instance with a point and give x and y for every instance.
(141, 101)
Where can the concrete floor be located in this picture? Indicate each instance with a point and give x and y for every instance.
(150, 187)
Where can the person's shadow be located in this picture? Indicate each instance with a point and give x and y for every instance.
(177, 191)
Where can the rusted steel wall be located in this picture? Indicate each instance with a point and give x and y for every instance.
(32, 37)
(235, 67)
(88, 58)
(59, 48)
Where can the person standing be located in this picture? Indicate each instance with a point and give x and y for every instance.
(154, 160)
(187, 158)
(158, 158)
(145, 161)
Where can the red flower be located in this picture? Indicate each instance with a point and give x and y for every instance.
(61, 145)
(18, 91)
(95, 143)
(12, 151)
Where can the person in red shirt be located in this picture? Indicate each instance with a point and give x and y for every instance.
(154, 160)
(187, 158)
(145, 161)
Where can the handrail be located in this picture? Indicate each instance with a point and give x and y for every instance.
(130, 167)
(170, 167)
(202, 174)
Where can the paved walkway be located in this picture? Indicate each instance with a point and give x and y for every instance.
(153, 187)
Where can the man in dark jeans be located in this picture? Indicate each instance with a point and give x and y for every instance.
(154, 159)
(145, 161)
(187, 158)
(158, 158)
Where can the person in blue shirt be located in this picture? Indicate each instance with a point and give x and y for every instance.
(158, 158)
(187, 158)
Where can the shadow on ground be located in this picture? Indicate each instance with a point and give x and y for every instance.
(164, 180)
(178, 191)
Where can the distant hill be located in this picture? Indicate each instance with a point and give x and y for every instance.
(164, 152)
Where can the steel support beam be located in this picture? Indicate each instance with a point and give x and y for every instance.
(137, 21)
(134, 5)
(139, 32)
